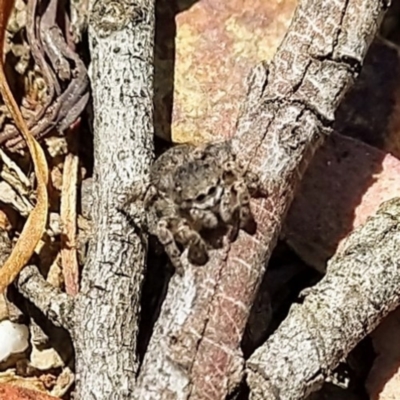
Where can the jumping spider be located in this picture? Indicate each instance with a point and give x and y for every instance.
(193, 193)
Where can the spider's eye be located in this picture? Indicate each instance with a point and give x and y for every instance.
(201, 197)
(212, 190)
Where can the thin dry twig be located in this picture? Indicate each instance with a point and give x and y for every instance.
(68, 215)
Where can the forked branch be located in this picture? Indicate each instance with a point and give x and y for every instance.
(195, 348)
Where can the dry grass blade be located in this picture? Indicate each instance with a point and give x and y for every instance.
(36, 221)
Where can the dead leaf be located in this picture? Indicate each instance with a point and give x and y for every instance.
(10, 392)
(10, 378)
(36, 222)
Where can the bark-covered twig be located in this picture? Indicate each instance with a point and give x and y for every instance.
(362, 286)
(195, 349)
(54, 304)
(121, 38)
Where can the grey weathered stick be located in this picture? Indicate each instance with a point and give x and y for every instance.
(362, 286)
(194, 352)
(54, 304)
(106, 318)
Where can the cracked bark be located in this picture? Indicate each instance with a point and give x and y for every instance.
(195, 349)
(360, 288)
(54, 304)
(121, 38)
(103, 318)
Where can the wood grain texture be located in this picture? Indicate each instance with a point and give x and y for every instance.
(364, 279)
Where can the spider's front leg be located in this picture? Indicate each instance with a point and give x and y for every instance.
(172, 230)
(253, 184)
(236, 170)
(230, 172)
(191, 239)
(203, 219)
(235, 207)
(132, 202)
(166, 237)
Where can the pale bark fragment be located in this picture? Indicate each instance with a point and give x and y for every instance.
(195, 349)
(56, 305)
(121, 38)
(68, 215)
(361, 286)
